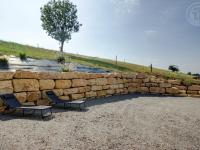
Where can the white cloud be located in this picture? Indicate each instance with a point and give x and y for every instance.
(150, 32)
(125, 6)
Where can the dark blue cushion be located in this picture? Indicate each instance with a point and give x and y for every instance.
(11, 100)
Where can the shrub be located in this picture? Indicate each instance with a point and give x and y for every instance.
(174, 68)
(61, 59)
(22, 56)
(64, 69)
(4, 62)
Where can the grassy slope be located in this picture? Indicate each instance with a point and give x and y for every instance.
(11, 48)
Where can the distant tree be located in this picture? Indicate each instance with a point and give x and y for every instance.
(59, 19)
(189, 73)
(196, 76)
(174, 68)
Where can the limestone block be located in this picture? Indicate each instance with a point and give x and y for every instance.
(21, 97)
(49, 75)
(46, 84)
(133, 85)
(83, 75)
(69, 75)
(174, 82)
(91, 82)
(192, 92)
(58, 92)
(90, 94)
(114, 86)
(6, 75)
(141, 76)
(112, 81)
(26, 75)
(65, 98)
(96, 88)
(79, 82)
(132, 89)
(101, 93)
(119, 91)
(151, 84)
(33, 96)
(172, 90)
(180, 87)
(95, 75)
(105, 87)
(63, 84)
(77, 96)
(157, 90)
(101, 81)
(194, 88)
(120, 86)
(70, 91)
(137, 81)
(143, 89)
(45, 102)
(6, 87)
(165, 85)
(84, 89)
(119, 81)
(23, 85)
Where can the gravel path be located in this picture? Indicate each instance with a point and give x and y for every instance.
(129, 122)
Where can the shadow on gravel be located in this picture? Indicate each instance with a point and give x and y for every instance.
(37, 116)
(117, 98)
(89, 103)
(14, 116)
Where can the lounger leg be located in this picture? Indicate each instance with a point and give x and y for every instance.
(42, 114)
(23, 112)
(70, 105)
(51, 111)
(34, 112)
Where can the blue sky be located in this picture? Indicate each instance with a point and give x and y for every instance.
(139, 31)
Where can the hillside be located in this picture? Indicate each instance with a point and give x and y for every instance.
(10, 48)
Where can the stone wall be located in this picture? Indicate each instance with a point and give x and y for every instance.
(31, 86)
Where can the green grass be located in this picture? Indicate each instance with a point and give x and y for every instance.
(10, 48)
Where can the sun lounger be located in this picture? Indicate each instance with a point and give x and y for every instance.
(12, 103)
(56, 100)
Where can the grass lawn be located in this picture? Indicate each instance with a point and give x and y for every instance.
(10, 48)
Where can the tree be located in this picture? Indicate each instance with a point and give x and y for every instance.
(59, 19)
(174, 68)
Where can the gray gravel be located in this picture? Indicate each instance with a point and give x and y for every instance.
(125, 122)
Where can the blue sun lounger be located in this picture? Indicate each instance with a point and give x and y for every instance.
(56, 101)
(13, 104)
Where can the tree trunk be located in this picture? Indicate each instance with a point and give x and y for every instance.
(61, 46)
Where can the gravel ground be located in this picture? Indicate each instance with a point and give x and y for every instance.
(123, 122)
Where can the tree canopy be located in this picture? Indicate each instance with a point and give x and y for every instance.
(59, 19)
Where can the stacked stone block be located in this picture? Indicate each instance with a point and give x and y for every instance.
(32, 86)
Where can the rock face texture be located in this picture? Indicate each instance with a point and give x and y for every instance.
(32, 86)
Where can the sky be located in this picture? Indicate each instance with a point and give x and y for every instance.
(137, 31)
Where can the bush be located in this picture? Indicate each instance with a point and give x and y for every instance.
(22, 56)
(64, 69)
(174, 68)
(61, 59)
(4, 62)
